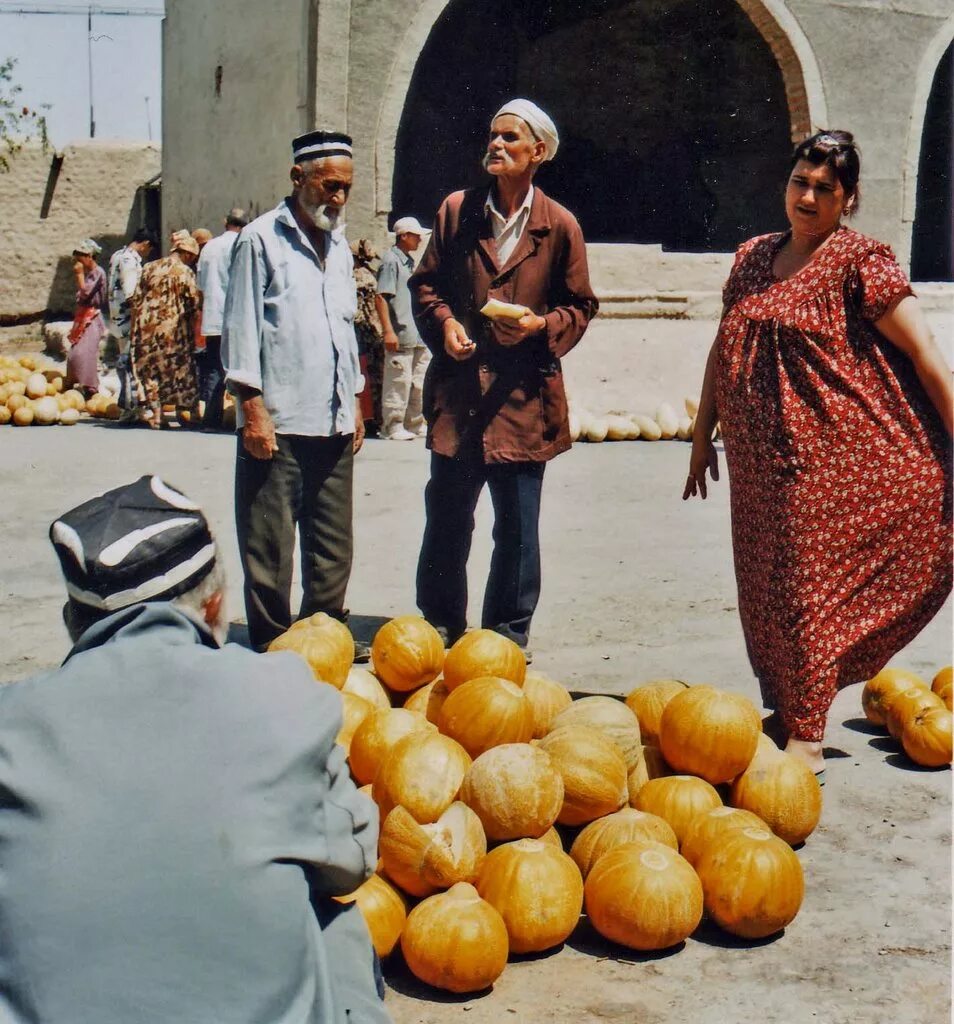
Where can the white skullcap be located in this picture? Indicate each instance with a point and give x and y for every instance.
(538, 121)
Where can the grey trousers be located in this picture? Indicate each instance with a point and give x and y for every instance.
(306, 483)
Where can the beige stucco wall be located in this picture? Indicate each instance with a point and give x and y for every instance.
(231, 146)
(866, 65)
(94, 197)
(877, 59)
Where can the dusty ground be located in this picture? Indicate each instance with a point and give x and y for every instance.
(637, 585)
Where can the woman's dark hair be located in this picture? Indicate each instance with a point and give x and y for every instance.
(839, 150)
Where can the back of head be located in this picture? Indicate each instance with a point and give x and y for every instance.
(236, 218)
(145, 235)
(144, 541)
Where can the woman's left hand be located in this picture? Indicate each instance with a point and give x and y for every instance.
(704, 457)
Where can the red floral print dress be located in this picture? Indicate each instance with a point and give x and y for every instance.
(840, 472)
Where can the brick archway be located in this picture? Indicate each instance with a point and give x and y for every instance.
(800, 73)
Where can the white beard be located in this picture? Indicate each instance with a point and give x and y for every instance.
(326, 218)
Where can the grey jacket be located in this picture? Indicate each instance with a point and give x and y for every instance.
(173, 820)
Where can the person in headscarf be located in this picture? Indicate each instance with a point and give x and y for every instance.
(494, 398)
(162, 334)
(89, 327)
(369, 334)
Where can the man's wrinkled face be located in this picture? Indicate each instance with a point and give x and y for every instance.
(512, 148)
(321, 189)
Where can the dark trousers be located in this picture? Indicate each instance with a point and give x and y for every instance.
(307, 483)
(211, 381)
(513, 586)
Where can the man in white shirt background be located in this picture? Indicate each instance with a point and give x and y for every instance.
(407, 357)
(212, 276)
(125, 267)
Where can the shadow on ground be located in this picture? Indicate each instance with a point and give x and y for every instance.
(363, 628)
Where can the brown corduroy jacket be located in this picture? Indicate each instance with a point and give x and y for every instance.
(509, 400)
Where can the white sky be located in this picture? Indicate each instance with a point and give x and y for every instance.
(52, 52)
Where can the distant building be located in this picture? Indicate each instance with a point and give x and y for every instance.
(676, 116)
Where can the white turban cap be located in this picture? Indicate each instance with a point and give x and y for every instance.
(539, 122)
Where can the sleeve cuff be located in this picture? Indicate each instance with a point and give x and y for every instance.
(245, 378)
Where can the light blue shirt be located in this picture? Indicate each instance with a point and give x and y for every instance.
(212, 277)
(288, 328)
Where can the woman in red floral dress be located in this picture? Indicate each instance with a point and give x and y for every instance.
(836, 412)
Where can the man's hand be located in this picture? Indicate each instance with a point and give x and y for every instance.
(391, 341)
(258, 434)
(358, 441)
(512, 332)
(456, 343)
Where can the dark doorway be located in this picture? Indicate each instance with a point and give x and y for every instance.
(932, 258)
(672, 115)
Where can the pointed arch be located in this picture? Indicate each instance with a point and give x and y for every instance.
(773, 20)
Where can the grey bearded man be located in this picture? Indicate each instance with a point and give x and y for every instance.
(493, 397)
(176, 815)
(291, 359)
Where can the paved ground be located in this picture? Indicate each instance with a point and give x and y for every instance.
(637, 585)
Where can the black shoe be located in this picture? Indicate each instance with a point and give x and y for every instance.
(448, 638)
(362, 653)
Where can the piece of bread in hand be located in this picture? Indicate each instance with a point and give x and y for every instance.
(495, 309)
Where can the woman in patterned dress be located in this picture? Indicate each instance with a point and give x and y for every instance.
(836, 412)
(89, 328)
(162, 331)
(367, 328)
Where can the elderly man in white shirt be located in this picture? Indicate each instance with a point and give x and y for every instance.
(212, 277)
(291, 359)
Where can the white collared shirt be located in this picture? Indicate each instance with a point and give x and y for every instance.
(288, 327)
(507, 232)
(212, 277)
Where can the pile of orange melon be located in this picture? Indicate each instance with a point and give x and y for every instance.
(918, 716)
(33, 393)
(508, 809)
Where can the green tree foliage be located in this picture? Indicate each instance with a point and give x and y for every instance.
(18, 123)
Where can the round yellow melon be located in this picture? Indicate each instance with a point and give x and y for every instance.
(384, 912)
(678, 799)
(424, 858)
(377, 735)
(611, 717)
(423, 773)
(538, 891)
(643, 895)
(593, 772)
(455, 941)
(514, 790)
(407, 653)
(547, 697)
(485, 712)
(624, 826)
(709, 733)
(647, 703)
(482, 652)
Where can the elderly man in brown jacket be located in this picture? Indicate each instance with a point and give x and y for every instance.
(493, 397)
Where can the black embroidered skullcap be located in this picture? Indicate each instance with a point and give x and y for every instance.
(142, 542)
(316, 145)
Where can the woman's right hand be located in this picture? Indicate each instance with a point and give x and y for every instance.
(704, 457)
